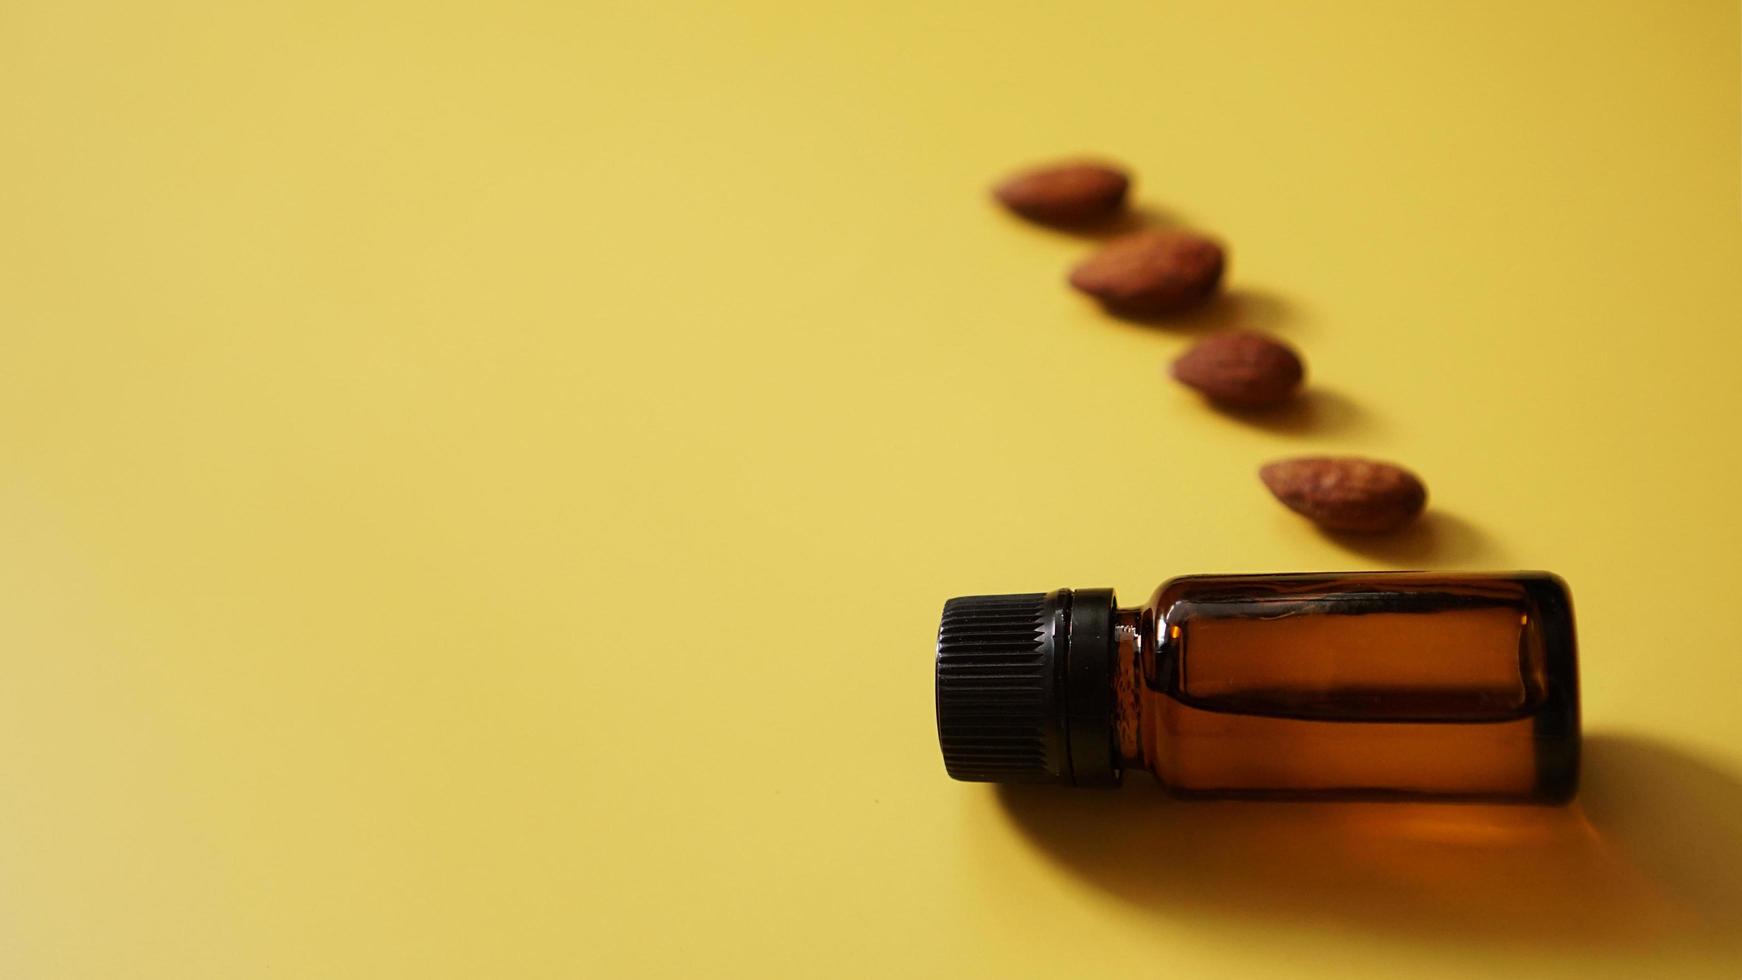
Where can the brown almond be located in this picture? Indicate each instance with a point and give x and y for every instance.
(1065, 193)
(1347, 493)
(1241, 369)
(1152, 272)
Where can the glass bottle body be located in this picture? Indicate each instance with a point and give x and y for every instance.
(1369, 685)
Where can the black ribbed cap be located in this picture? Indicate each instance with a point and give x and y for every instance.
(1025, 688)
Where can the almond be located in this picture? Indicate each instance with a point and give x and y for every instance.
(1065, 193)
(1241, 369)
(1347, 493)
(1152, 272)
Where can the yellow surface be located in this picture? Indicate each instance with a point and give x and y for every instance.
(479, 479)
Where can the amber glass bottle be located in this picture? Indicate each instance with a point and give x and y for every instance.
(1371, 685)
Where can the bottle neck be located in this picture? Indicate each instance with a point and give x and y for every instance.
(1131, 631)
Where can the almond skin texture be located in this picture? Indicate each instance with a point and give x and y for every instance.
(1152, 272)
(1347, 493)
(1241, 369)
(1065, 193)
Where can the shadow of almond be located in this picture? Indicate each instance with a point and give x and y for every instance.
(1242, 308)
(1437, 537)
(1651, 860)
(1132, 219)
(1315, 411)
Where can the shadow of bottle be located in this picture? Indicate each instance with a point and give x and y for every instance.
(1649, 858)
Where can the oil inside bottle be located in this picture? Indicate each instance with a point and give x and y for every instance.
(1350, 691)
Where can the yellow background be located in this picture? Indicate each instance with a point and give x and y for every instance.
(479, 480)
